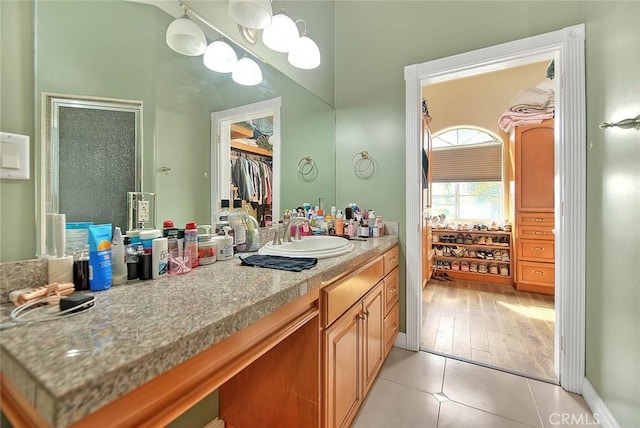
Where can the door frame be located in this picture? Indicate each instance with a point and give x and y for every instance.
(221, 145)
(567, 47)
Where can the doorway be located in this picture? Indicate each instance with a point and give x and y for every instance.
(472, 308)
(567, 46)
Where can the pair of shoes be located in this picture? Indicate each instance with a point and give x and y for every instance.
(446, 265)
(473, 267)
(505, 255)
(504, 270)
(464, 267)
(468, 239)
(459, 238)
(482, 268)
(497, 255)
(489, 255)
(472, 254)
(457, 251)
(503, 241)
(439, 250)
(481, 254)
(481, 240)
(493, 269)
(435, 238)
(488, 240)
(455, 265)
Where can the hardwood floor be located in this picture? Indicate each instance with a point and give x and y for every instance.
(490, 323)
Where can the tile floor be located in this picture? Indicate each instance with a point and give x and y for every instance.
(418, 389)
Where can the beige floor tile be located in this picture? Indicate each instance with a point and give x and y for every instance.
(490, 390)
(417, 370)
(558, 407)
(456, 415)
(392, 405)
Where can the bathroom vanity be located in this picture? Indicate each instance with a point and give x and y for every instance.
(279, 346)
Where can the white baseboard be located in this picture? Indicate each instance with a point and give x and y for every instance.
(598, 406)
(401, 341)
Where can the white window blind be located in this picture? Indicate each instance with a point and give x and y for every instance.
(471, 163)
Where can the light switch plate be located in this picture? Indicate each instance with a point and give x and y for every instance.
(14, 156)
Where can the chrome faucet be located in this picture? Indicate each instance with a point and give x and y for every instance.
(286, 235)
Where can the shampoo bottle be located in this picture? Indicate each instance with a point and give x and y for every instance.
(191, 242)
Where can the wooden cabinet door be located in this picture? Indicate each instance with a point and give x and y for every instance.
(534, 167)
(343, 376)
(373, 331)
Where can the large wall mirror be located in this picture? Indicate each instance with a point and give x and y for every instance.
(117, 50)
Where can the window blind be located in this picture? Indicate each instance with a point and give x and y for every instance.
(481, 162)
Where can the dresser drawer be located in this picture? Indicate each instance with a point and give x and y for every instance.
(535, 273)
(543, 251)
(539, 219)
(536, 232)
(391, 259)
(391, 289)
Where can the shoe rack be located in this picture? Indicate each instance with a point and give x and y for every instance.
(485, 255)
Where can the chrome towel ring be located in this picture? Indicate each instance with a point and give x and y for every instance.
(361, 162)
(305, 166)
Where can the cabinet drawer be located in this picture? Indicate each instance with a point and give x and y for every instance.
(391, 289)
(336, 298)
(535, 219)
(543, 251)
(391, 328)
(536, 273)
(536, 232)
(391, 258)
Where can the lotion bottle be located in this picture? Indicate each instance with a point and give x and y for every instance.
(225, 245)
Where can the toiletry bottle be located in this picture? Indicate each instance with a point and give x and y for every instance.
(328, 225)
(171, 233)
(225, 245)
(131, 256)
(320, 218)
(253, 233)
(159, 258)
(339, 224)
(222, 217)
(191, 242)
(118, 262)
(239, 226)
(81, 269)
(147, 236)
(351, 229)
(144, 263)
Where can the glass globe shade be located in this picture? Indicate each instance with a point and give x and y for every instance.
(220, 57)
(247, 72)
(185, 37)
(304, 53)
(280, 34)
(254, 14)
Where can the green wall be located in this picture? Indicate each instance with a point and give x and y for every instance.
(17, 197)
(370, 60)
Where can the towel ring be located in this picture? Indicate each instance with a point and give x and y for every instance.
(361, 158)
(305, 166)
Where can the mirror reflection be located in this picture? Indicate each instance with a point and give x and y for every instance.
(118, 50)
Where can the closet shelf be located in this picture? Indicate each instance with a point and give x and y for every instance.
(472, 259)
(472, 232)
(251, 149)
(480, 246)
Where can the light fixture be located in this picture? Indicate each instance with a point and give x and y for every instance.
(304, 52)
(281, 34)
(247, 72)
(220, 57)
(254, 14)
(185, 37)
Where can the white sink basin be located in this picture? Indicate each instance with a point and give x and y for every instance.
(321, 247)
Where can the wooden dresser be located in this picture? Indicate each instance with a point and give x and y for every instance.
(534, 200)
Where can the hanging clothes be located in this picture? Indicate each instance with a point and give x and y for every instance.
(253, 179)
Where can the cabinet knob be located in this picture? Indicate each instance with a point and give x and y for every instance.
(393, 290)
(364, 315)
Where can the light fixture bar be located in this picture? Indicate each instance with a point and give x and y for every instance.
(205, 21)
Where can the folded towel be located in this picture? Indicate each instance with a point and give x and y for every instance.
(293, 264)
(531, 99)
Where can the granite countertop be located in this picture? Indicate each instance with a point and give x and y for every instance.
(137, 331)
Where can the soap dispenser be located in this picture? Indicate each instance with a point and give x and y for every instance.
(225, 245)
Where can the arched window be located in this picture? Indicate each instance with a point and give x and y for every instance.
(467, 174)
